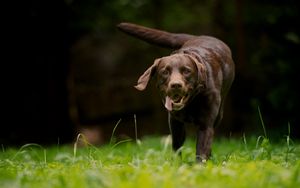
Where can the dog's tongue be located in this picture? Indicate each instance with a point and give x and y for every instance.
(168, 103)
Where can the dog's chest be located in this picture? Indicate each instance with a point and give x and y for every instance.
(194, 113)
(184, 117)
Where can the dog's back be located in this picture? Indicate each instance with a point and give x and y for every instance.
(170, 40)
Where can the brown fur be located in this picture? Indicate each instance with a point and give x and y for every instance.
(193, 82)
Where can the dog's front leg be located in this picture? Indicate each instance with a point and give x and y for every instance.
(177, 130)
(205, 132)
(204, 142)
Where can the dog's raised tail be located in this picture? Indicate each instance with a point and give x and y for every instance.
(155, 36)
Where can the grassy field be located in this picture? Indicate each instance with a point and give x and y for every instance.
(150, 163)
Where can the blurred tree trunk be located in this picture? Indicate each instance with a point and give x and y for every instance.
(240, 36)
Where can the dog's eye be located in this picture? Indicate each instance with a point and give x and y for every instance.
(186, 71)
(165, 72)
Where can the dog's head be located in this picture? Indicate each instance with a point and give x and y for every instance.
(179, 77)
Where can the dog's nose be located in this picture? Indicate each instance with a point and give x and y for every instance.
(176, 85)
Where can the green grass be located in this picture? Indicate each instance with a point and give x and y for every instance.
(150, 163)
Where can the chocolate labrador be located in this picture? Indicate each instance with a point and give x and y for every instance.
(193, 82)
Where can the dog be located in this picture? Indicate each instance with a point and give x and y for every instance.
(193, 82)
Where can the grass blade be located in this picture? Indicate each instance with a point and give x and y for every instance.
(113, 132)
(135, 128)
(262, 122)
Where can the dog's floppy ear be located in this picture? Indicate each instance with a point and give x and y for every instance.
(202, 80)
(145, 78)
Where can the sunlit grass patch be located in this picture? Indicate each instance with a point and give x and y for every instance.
(244, 162)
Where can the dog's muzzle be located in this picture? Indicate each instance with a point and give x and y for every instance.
(175, 102)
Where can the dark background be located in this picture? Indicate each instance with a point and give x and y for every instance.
(67, 69)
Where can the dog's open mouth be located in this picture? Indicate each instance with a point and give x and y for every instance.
(175, 102)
